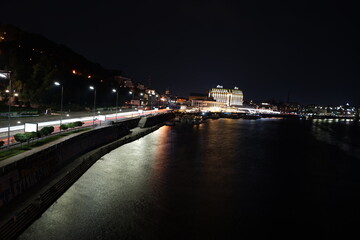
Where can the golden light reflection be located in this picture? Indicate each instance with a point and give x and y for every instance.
(163, 146)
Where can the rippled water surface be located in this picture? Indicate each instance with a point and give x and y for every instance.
(223, 179)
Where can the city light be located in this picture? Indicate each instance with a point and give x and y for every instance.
(92, 88)
(61, 101)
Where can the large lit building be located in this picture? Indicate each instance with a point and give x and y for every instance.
(231, 97)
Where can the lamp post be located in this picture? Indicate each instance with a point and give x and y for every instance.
(92, 88)
(4, 76)
(141, 99)
(61, 103)
(132, 97)
(117, 97)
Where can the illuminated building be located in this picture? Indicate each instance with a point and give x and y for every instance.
(231, 97)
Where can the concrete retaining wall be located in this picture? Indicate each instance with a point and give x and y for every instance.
(17, 177)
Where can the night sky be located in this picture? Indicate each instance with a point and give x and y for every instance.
(266, 48)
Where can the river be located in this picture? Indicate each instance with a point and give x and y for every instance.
(224, 179)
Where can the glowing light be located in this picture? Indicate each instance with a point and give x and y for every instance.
(89, 76)
(91, 87)
(16, 94)
(73, 72)
(114, 90)
(57, 83)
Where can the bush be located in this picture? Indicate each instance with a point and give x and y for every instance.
(64, 126)
(2, 143)
(46, 131)
(20, 137)
(71, 125)
(23, 137)
(79, 124)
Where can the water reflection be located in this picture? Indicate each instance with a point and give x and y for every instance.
(224, 178)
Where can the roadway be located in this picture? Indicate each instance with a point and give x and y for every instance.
(17, 125)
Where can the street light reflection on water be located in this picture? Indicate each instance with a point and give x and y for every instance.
(116, 198)
(230, 178)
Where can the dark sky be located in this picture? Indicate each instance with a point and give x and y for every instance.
(266, 48)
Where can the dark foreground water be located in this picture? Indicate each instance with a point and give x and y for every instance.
(225, 179)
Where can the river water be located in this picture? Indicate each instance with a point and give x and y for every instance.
(224, 179)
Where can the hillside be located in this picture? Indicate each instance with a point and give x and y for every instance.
(36, 62)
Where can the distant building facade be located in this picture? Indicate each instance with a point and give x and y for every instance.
(124, 81)
(231, 97)
(207, 104)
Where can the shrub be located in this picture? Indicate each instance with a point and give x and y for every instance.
(79, 123)
(23, 137)
(20, 137)
(46, 131)
(2, 143)
(64, 126)
(71, 125)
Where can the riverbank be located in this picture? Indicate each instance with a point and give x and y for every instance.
(23, 211)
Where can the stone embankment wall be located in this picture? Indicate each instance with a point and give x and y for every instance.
(19, 176)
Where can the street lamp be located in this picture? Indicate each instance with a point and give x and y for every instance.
(92, 88)
(117, 97)
(2, 75)
(61, 103)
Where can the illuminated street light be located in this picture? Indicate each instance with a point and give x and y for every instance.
(92, 88)
(132, 93)
(117, 97)
(61, 101)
